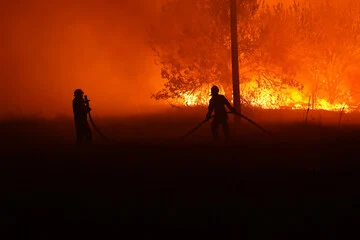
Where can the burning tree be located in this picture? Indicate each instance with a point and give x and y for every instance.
(269, 73)
(191, 40)
(281, 50)
(325, 45)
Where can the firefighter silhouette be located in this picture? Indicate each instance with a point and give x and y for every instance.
(217, 104)
(81, 110)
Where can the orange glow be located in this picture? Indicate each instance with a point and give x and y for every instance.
(266, 98)
(199, 97)
(311, 47)
(50, 48)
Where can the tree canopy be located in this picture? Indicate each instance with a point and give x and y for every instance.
(280, 48)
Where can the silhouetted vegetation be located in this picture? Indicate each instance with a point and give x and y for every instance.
(304, 48)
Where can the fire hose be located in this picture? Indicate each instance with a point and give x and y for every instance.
(92, 121)
(186, 135)
(237, 114)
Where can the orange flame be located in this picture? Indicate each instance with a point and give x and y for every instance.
(266, 98)
(197, 98)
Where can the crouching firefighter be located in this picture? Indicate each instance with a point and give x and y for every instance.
(217, 104)
(81, 110)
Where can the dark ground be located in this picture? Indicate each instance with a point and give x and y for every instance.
(300, 183)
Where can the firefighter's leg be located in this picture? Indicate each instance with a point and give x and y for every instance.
(214, 129)
(79, 135)
(226, 130)
(88, 135)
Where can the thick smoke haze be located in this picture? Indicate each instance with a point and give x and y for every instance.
(50, 48)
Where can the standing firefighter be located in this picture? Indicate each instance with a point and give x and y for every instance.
(81, 111)
(217, 104)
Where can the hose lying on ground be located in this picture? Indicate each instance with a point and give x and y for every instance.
(252, 122)
(237, 114)
(186, 135)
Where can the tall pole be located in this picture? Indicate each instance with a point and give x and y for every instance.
(235, 56)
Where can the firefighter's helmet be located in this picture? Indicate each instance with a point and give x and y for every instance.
(214, 90)
(78, 92)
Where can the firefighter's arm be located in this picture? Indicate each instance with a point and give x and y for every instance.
(88, 109)
(81, 107)
(231, 108)
(86, 105)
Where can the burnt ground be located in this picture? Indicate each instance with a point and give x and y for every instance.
(302, 182)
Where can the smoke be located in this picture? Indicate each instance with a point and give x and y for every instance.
(50, 48)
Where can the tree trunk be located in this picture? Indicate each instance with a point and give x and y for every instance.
(235, 56)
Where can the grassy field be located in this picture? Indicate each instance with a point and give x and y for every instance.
(300, 182)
